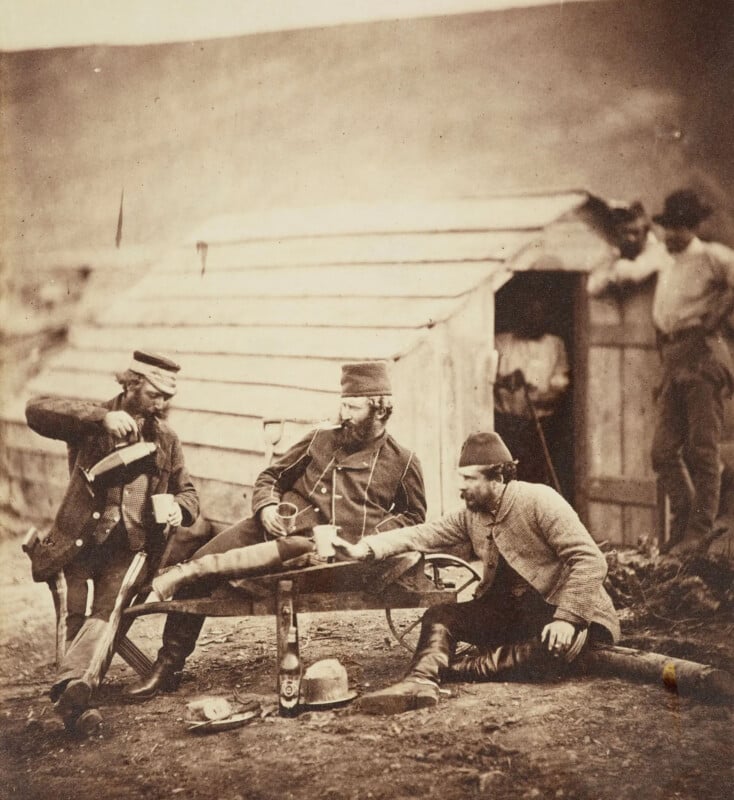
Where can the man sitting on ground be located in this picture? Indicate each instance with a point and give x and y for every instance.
(541, 599)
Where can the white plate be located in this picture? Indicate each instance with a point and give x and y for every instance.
(211, 725)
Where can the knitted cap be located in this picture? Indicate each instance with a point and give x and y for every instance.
(365, 379)
(484, 450)
(157, 370)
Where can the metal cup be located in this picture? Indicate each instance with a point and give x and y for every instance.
(287, 515)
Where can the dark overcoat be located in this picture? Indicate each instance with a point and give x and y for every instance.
(79, 424)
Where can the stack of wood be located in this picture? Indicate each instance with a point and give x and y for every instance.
(645, 586)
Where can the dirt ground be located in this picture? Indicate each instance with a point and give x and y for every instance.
(589, 738)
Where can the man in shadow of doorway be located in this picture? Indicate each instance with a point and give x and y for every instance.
(532, 381)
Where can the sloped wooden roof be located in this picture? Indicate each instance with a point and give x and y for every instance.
(265, 310)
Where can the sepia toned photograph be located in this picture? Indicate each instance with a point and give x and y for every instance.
(366, 421)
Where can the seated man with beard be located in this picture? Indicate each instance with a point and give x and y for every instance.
(355, 476)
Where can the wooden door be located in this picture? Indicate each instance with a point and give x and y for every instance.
(623, 370)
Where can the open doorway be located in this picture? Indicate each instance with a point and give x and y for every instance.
(542, 305)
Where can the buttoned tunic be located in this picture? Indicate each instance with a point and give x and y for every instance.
(377, 488)
(540, 537)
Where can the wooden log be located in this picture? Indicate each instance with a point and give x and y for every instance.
(687, 678)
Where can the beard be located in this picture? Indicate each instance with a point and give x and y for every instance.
(477, 502)
(470, 501)
(146, 418)
(354, 435)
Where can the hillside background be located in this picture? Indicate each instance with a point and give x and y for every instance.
(625, 99)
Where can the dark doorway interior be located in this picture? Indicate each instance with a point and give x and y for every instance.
(557, 292)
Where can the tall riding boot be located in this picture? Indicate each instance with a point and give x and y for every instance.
(530, 659)
(237, 563)
(179, 640)
(182, 630)
(419, 688)
(498, 663)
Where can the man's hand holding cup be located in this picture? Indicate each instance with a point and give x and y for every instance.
(272, 522)
(355, 552)
(166, 510)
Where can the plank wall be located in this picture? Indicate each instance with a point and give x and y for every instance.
(262, 314)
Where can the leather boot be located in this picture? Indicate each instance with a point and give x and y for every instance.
(499, 663)
(88, 723)
(72, 700)
(236, 563)
(164, 677)
(419, 689)
(529, 659)
(179, 640)
(408, 695)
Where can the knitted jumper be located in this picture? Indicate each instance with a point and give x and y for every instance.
(539, 535)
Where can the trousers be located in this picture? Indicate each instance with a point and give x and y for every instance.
(90, 639)
(493, 619)
(686, 451)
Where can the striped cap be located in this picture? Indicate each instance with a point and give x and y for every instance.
(157, 370)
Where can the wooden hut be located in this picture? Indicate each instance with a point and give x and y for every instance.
(262, 310)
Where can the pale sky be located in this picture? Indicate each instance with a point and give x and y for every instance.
(35, 24)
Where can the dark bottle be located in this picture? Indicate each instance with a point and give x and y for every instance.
(289, 677)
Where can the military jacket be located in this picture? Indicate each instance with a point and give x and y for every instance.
(377, 488)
